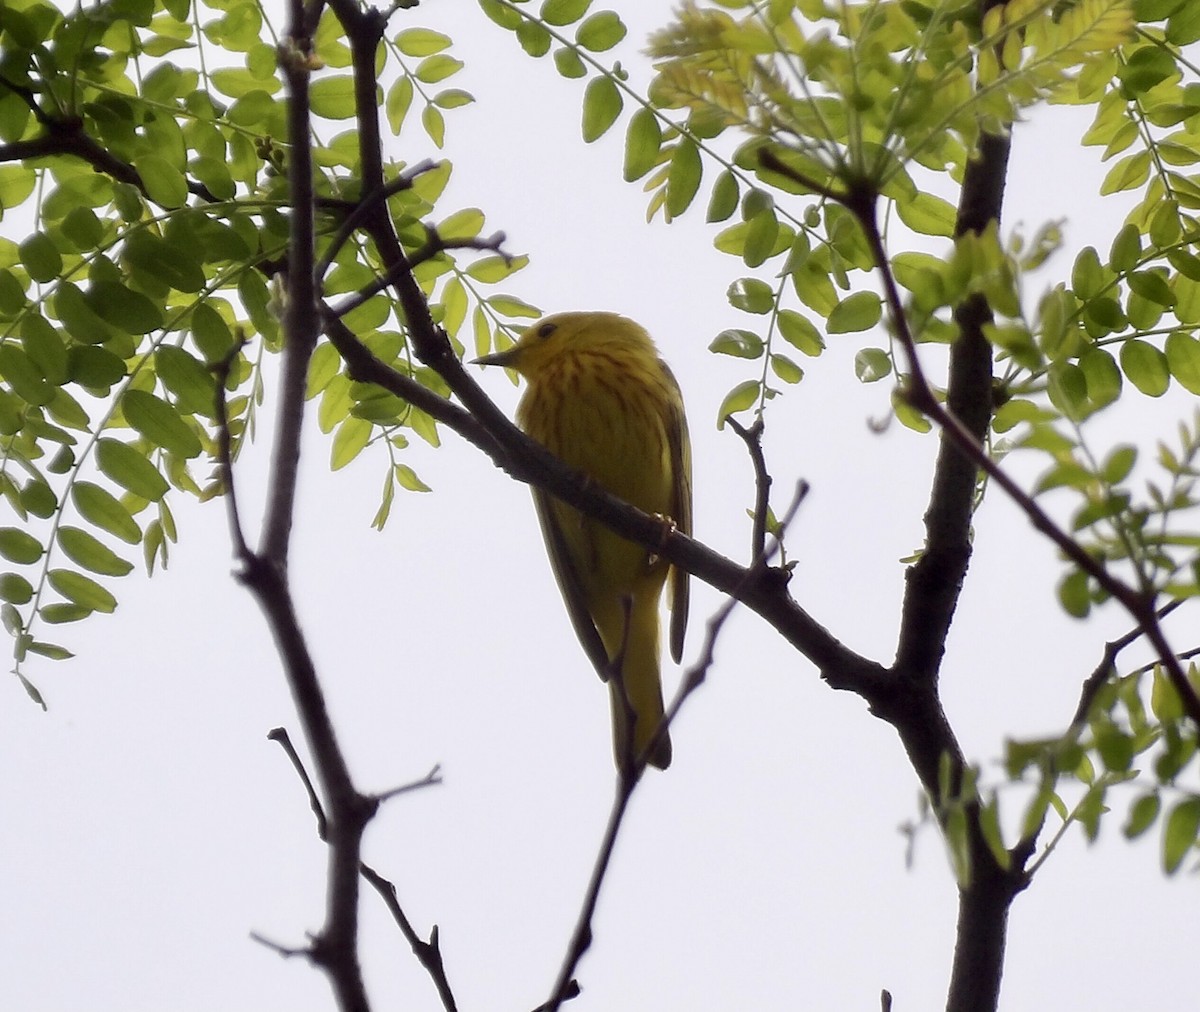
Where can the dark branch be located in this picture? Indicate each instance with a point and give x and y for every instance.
(366, 205)
(1107, 666)
(427, 953)
(66, 136)
(225, 451)
(431, 249)
(752, 437)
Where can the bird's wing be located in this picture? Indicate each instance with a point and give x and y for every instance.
(570, 584)
(681, 510)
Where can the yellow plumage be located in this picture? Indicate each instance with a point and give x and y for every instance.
(602, 401)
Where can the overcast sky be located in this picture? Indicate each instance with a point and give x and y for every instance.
(149, 826)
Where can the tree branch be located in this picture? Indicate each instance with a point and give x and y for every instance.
(66, 136)
(427, 953)
(752, 437)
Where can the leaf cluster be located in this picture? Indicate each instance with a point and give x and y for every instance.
(143, 151)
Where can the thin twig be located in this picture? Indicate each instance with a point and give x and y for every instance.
(225, 451)
(280, 735)
(427, 252)
(430, 779)
(366, 206)
(1108, 662)
(286, 951)
(429, 954)
(752, 437)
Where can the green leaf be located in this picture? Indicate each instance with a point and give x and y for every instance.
(40, 257)
(39, 499)
(1102, 375)
(82, 591)
(211, 333)
(1125, 250)
(45, 348)
(906, 414)
(1128, 174)
(762, 235)
(102, 509)
(751, 295)
(86, 550)
(568, 63)
(643, 141)
(333, 97)
(16, 181)
(160, 423)
(1179, 833)
(600, 32)
(19, 546)
(165, 183)
(58, 613)
(464, 224)
(452, 98)
(1118, 464)
(602, 105)
(1155, 10)
(1142, 815)
(785, 368)
(741, 397)
(502, 14)
(15, 589)
(724, 199)
(407, 479)
(1146, 367)
(928, 214)
(421, 42)
(130, 469)
(94, 368)
(564, 12)
(800, 332)
(1074, 595)
(683, 176)
(855, 313)
(434, 124)
(1183, 27)
(174, 265)
(437, 68)
(1183, 359)
(1152, 285)
(187, 378)
(508, 305)
(23, 376)
(534, 38)
(50, 650)
(351, 438)
(127, 310)
(738, 343)
(872, 365)
(399, 99)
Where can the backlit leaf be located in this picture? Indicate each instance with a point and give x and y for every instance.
(130, 469)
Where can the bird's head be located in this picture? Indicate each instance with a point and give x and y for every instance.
(562, 333)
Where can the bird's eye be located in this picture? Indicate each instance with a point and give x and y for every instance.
(546, 329)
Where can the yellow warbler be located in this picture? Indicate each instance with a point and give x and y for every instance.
(602, 401)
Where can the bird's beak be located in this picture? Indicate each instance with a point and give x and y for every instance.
(507, 358)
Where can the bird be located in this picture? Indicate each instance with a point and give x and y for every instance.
(599, 397)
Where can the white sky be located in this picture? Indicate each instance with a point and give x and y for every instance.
(149, 826)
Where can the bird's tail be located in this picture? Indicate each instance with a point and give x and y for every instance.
(637, 695)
